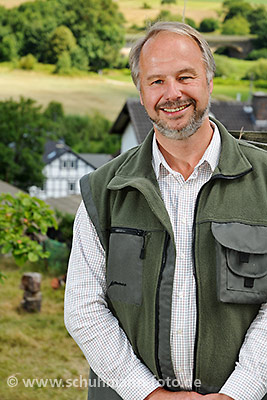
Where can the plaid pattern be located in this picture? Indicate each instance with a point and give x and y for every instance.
(97, 332)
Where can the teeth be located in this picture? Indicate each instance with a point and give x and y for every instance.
(172, 110)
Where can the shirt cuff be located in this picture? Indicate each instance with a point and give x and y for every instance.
(137, 386)
(243, 386)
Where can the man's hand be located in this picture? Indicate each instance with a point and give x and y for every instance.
(217, 396)
(162, 394)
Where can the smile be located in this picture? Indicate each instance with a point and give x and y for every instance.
(173, 110)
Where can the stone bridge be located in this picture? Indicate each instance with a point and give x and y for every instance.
(235, 46)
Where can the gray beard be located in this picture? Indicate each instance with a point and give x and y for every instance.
(188, 130)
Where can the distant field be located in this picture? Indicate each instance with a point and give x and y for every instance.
(79, 95)
(135, 13)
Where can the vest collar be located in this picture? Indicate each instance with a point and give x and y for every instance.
(138, 165)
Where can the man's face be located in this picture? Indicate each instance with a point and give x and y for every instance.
(173, 84)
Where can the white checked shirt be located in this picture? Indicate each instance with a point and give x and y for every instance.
(96, 330)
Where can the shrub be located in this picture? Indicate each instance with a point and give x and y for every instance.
(61, 40)
(166, 15)
(63, 65)
(256, 54)
(258, 71)
(79, 59)
(224, 67)
(146, 6)
(208, 25)
(236, 26)
(28, 62)
(168, 1)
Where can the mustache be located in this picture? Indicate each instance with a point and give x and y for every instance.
(175, 104)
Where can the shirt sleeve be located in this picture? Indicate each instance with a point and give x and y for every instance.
(249, 379)
(91, 323)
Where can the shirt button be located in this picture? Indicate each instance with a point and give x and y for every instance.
(180, 331)
(183, 221)
(182, 256)
(180, 295)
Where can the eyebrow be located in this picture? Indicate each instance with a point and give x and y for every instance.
(180, 72)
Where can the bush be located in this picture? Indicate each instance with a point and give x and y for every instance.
(79, 59)
(258, 71)
(146, 6)
(256, 54)
(208, 25)
(236, 26)
(224, 67)
(28, 62)
(63, 65)
(166, 15)
(8, 48)
(168, 1)
(61, 40)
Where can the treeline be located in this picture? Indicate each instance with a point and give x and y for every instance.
(84, 34)
(237, 17)
(24, 129)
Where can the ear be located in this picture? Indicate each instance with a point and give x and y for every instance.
(211, 86)
(140, 97)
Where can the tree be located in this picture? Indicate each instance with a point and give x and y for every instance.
(96, 25)
(60, 41)
(24, 221)
(22, 137)
(234, 8)
(236, 26)
(208, 25)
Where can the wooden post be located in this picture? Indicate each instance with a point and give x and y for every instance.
(32, 297)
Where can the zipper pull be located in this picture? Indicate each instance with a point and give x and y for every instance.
(142, 252)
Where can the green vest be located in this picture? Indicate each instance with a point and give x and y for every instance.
(124, 202)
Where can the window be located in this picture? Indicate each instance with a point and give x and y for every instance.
(71, 187)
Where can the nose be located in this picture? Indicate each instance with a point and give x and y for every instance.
(172, 90)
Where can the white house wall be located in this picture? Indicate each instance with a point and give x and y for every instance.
(62, 177)
(128, 138)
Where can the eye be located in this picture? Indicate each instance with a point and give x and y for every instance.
(185, 78)
(157, 82)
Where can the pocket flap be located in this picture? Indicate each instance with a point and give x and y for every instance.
(241, 237)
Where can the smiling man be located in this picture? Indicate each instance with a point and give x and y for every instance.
(167, 282)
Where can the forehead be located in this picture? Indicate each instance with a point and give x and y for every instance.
(167, 49)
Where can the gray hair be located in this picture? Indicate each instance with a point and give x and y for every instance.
(180, 29)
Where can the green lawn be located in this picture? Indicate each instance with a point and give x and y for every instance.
(37, 345)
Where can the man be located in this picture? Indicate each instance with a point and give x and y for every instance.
(166, 290)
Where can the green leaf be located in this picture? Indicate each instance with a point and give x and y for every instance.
(33, 257)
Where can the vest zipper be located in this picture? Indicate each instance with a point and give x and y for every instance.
(132, 231)
(163, 262)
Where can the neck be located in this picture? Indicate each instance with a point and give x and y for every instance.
(183, 155)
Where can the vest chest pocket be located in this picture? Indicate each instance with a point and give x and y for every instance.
(241, 262)
(125, 265)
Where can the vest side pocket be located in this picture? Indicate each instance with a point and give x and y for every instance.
(241, 262)
(125, 265)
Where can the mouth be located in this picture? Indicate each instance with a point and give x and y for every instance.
(173, 110)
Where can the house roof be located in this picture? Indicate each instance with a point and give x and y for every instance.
(7, 188)
(133, 112)
(54, 150)
(66, 205)
(235, 116)
(96, 160)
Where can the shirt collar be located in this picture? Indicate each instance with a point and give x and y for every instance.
(211, 155)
